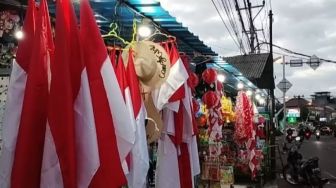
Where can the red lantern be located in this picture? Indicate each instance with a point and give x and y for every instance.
(193, 80)
(209, 76)
(196, 106)
(219, 86)
(211, 99)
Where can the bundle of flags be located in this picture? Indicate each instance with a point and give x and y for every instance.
(67, 122)
(178, 161)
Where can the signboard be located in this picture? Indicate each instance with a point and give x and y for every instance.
(314, 62)
(293, 112)
(323, 119)
(284, 85)
(291, 120)
(296, 63)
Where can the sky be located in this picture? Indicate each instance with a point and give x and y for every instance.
(305, 26)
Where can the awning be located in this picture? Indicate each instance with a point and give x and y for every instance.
(256, 67)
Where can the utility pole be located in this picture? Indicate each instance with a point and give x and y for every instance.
(272, 128)
(284, 91)
(252, 31)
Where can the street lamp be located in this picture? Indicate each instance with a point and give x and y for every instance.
(19, 35)
(240, 85)
(221, 77)
(249, 93)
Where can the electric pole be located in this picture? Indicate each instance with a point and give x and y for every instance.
(272, 126)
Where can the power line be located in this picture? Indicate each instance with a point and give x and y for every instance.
(220, 15)
(298, 53)
(231, 19)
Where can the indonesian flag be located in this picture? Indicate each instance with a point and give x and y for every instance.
(113, 123)
(26, 126)
(71, 153)
(168, 98)
(139, 163)
(16, 92)
(177, 76)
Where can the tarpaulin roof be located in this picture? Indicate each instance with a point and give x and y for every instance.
(255, 67)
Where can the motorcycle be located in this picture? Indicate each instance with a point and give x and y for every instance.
(317, 134)
(301, 172)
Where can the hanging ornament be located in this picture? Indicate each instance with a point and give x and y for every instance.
(219, 86)
(193, 80)
(196, 105)
(209, 75)
(211, 99)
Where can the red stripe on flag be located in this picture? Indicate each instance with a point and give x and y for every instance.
(23, 54)
(27, 164)
(184, 167)
(175, 58)
(133, 83)
(110, 173)
(64, 87)
(121, 75)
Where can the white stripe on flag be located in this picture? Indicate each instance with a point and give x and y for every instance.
(167, 170)
(86, 136)
(177, 76)
(139, 154)
(51, 176)
(11, 122)
(121, 118)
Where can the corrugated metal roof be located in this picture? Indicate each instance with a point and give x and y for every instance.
(252, 66)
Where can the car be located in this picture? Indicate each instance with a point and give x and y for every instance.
(326, 130)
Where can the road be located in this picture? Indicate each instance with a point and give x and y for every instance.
(325, 149)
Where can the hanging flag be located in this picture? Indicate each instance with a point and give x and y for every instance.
(169, 98)
(70, 111)
(113, 123)
(139, 163)
(123, 84)
(15, 95)
(177, 76)
(26, 171)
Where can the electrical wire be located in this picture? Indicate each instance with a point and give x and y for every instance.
(298, 53)
(227, 9)
(220, 15)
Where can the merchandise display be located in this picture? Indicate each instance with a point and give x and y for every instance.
(96, 110)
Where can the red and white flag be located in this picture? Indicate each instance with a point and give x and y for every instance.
(71, 153)
(139, 163)
(169, 99)
(177, 76)
(27, 126)
(113, 123)
(15, 95)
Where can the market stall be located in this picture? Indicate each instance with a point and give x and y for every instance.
(171, 125)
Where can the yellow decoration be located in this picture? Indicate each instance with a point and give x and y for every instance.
(227, 109)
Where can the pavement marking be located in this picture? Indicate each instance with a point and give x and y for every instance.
(332, 149)
(329, 174)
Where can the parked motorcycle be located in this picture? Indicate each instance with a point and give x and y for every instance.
(317, 134)
(301, 172)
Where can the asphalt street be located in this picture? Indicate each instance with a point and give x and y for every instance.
(325, 149)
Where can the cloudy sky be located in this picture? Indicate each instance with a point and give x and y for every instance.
(305, 26)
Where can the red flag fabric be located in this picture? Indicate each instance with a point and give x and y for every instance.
(26, 170)
(139, 160)
(121, 75)
(15, 95)
(185, 167)
(61, 111)
(134, 84)
(175, 58)
(111, 117)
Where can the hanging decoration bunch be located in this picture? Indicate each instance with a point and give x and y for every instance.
(244, 119)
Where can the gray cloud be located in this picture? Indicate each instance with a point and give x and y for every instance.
(306, 26)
